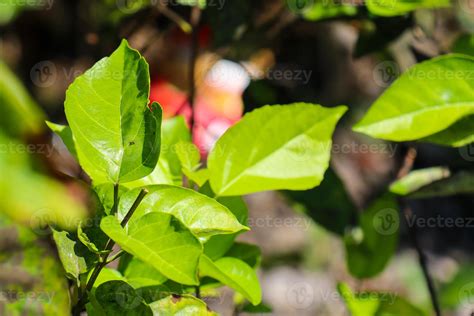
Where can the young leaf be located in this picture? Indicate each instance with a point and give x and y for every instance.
(200, 214)
(119, 298)
(180, 305)
(234, 273)
(274, 147)
(117, 136)
(74, 256)
(160, 240)
(418, 179)
(429, 98)
(190, 159)
(459, 183)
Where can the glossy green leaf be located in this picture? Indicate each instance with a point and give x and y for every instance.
(428, 99)
(119, 298)
(21, 116)
(140, 274)
(274, 147)
(190, 159)
(457, 135)
(397, 7)
(160, 240)
(370, 247)
(117, 136)
(30, 197)
(418, 179)
(460, 183)
(168, 169)
(180, 305)
(200, 214)
(376, 304)
(75, 257)
(234, 273)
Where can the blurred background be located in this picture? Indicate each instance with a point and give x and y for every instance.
(247, 53)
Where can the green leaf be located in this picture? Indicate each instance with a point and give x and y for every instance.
(199, 3)
(65, 133)
(258, 309)
(31, 198)
(457, 135)
(176, 254)
(200, 214)
(459, 183)
(234, 273)
(464, 44)
(117, 136)
(21, 116)
(329, 205)
(459, 289)
(190, 159)
(119, 298)
(75, 257)
(397, 7)
(168, 169)
(272, 148)
(429, 98)
(376, 303)
(250, 254)
(370, 247)
(418, 179)
(180, 305)
(140, 274)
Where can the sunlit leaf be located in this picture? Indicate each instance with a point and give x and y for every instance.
(274, 147)
(418, 179)
(117, 136)
(180, 305)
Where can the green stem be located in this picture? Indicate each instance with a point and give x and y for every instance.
(110, 244)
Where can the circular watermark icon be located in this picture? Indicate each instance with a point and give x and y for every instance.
(385, 73)
(467, 152)
(40, 220)
(43, 74)
(300, 295)
(386, 221)
(130, 6)
(298, 6)
(466, 293)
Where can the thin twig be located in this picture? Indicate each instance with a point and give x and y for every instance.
(173, 16)
(407, 165)
(110, 244)
(195, 21)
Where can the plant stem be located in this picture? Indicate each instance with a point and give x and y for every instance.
(195, 21)
(173, 16)
(198, 291)
(405, 168)
(110, 244)
(422, 260)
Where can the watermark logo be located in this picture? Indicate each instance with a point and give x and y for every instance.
(40, 220)
(297, 6)
(300, 295)
(467, 152)
(386, 221)
(466, 293)
(43, 74)
(385, 73)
